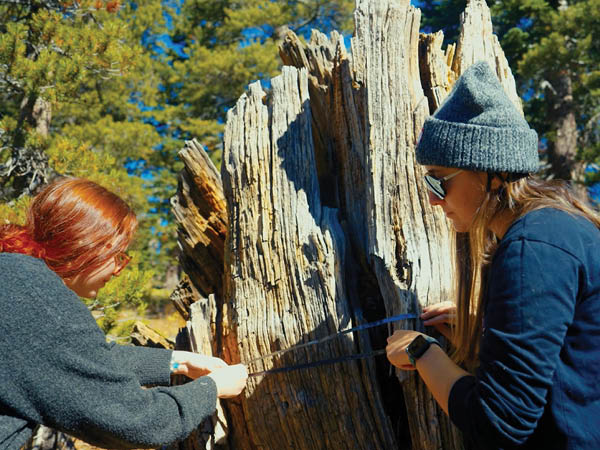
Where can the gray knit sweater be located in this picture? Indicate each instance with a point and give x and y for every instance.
(58, 370)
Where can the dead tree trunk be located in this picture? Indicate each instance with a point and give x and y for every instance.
(562, 150)
(27, 168)
(329, 227)
(199, 208)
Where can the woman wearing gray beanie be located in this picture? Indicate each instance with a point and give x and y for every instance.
(526, 326)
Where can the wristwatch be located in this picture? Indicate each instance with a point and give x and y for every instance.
(418, 347)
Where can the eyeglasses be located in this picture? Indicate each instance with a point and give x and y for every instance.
(121, 260)
(434, 184)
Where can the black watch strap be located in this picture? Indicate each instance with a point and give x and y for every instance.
(419, 346)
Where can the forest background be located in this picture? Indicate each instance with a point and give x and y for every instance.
(110, 90)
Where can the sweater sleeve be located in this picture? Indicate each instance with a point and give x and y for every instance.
(530, 305)
(150, 365)
(58, 370)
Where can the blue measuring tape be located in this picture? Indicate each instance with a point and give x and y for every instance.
(325, 339)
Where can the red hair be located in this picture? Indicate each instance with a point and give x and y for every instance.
(74, 225)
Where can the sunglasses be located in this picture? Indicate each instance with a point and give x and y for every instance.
(434, 184)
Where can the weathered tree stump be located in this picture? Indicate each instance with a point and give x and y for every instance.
(329, 227)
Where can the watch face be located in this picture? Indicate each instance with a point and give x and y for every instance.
(418, 346)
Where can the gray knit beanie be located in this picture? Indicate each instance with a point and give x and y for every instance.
(478, 128)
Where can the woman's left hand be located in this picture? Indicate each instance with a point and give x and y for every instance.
(194, 365)
(396, 348)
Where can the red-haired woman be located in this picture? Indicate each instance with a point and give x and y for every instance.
(57, 368)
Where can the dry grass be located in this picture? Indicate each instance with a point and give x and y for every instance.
(167, 322)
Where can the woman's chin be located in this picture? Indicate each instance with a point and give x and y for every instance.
(459, 227)
(91, 294)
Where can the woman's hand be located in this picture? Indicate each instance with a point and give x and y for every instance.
(194, 365)
(441, 315)
(396, 348)
(230, 380)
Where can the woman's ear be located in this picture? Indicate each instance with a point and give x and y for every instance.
(498, 180)
(494, 180)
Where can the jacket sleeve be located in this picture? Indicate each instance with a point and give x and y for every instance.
(66, 376)
(150, 365)
(530, 305)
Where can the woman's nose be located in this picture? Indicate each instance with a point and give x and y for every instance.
(434, 200)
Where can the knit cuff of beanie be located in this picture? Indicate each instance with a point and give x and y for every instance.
(478, 147)
(477, 127)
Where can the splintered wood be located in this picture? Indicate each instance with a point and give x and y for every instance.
(328, 226)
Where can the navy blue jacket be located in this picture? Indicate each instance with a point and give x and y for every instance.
(538, 383)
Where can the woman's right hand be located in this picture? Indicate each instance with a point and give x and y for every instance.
(230, 380)
(441, 315)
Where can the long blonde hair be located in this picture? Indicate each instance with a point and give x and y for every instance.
(474, 250)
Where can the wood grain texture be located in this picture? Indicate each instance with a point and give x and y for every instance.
(285, 282)
(477, 42)
(199, 209)
(144, 336)
(407, 241)
(435, 64)
(328, 226)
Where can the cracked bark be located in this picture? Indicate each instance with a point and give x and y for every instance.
(329, 227)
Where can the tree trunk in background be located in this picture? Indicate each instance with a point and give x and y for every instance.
(28, 166)
(329, 227)
(45, 438)
(562, 150)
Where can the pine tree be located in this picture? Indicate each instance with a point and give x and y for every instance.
(222, 46)
(67, 74)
